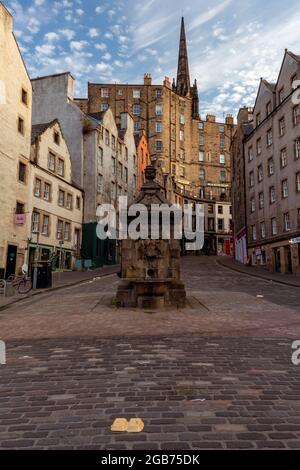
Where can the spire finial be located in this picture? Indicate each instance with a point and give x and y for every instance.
(183, 74)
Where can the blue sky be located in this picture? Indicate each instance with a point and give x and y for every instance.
(231, 43)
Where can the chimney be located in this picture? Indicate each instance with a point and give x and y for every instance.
(147, 79)
(229, 120)
(245, 115)
(167, 83)
(211, 118)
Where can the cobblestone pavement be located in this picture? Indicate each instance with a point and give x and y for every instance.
(217, 375)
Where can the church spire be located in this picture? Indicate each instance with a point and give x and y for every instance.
(183, 74)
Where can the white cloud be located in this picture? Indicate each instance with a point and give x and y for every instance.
(93, 32)
(101, 46)
(78, 45)
(68, 33)
(107, 56)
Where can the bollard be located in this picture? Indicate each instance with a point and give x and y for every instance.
(9, 290)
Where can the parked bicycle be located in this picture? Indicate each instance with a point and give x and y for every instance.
(21, 283)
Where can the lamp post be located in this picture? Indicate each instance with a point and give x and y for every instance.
(36, 259)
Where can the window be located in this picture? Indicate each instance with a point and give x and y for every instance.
(296, 115)
(181, 154)
(100, 156)
(37, 187)
(158, 93)
(274, 226)
(78, 202)
(222, 143)
(59, 230)
(104, 92)
(287, 222)
(210, 208)
(61, 198)
(69, 203)
(173, 169)
(51, 162)
(181, 136)
(297, 149)
(120, 170)
(211, 224)
(104, 107)
(47, 191)
(201, 125)
(271, 166)
(136, 94)
(45, 225)
(258, 119)
(202, 175)
(283, 158)
(222, 159)
(258, 147)
(56, 137)
(137, 126)
(20, 208)
(201, 140)
(22, 172)
(251, 179)
(21, 125)
(182, 171)
(263, 230)
(272, 195)
(24, 97)
(285, 189)
(126, 154)
(159, 110)
(222, 129)
(136, 109)
(182, 119)
(250, 154)
(254, 235)
(67, 231)
(281, 95)
(220, 210)
(159, 146)
(222, 176)
(35, 222)
(125, 174)
(298, 182)
(201, 156)
(120, 92)
(282, 127)
(269, 137)
(100, 183)
(158, 127)
(268, 108)
(261, 200)
(252, 204)
(221, 225)
(61, 167)
(113, 166)
(260, 174)
(107, 137)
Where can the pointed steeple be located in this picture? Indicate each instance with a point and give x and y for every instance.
(183, 74)
(195, 95)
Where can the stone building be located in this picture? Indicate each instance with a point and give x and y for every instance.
(99, 150)
(110, 171)
(244, 128)
(15, 129)
(195, 152)
(272, 168)
(56, 204)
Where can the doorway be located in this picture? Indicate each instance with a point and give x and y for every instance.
(11, 261)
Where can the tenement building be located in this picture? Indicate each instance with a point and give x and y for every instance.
(56, 203)
(244, 128)
(272, 168)
(194, 152)
(15, 129)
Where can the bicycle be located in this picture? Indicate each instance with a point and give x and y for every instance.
(21, 283)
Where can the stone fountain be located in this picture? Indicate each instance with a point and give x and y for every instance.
(150, 269)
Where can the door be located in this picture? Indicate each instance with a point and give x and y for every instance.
(277, 261)
(11, 261)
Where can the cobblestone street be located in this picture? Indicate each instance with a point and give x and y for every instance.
(216, 375)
